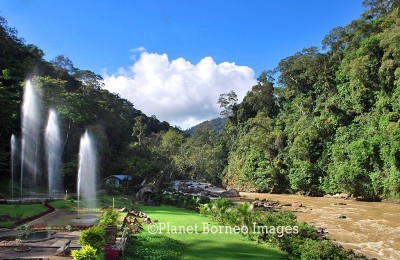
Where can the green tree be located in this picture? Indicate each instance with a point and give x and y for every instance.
(139, 128)
(227, 102)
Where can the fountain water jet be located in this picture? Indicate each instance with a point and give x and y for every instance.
(30, 134)
(87, 173)
(14, 148)
(53, 153)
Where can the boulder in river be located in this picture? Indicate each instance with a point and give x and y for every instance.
(296, 204)
(231, 193)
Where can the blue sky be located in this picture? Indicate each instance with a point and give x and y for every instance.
(158, 45)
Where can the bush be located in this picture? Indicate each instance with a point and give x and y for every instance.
(109, 217)
(86, 253)
(94, 237)
(181, 200)
(325, 249)
(289, 243)
(111, 253)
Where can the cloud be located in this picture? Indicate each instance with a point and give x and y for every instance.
(177, 91)
(138, 49)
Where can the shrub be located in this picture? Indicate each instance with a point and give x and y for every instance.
(94, 237)
(219, 210)
(86, 253)
(181, 200)
(109, 217)
(204, 209)
(289, 243)
(325, 249)
(111, 253)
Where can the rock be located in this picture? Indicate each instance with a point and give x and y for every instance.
(340, 203)
(271, 204)
(296, 204)
(231, 193)
(142, 215)
(133, 213)
(342, 217)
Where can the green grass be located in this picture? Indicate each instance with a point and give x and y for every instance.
(15, 212)
(147, 246)
(103, 201)
(64, 204)
(205, 246)
(119, 201)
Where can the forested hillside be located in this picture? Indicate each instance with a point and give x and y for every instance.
(81, 102)
(331, 121)
(216, 124)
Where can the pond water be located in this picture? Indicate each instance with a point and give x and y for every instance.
(32, 237)
(38, 235)
(371, 228)
(65, 218)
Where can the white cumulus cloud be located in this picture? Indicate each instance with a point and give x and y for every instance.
(177, 91)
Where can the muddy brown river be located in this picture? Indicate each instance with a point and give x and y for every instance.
(370, 228)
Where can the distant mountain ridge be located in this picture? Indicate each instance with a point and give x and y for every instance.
(216, 124)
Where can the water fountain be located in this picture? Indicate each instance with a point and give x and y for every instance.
(30, 134)
(14, 150)
(31, 154)
(87, 171)
(53, 154)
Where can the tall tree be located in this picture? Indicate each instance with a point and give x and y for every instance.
(139, 128)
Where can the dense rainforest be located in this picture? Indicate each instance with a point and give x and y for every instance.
(328, 123)
(331, 121)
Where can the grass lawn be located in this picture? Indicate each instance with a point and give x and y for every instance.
(200, 245)
(11, 213)
(103, 201)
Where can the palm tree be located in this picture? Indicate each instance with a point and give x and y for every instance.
(204, 209)
(246, 217)
(219, 208)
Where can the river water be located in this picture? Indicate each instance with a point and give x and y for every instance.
(370, 228)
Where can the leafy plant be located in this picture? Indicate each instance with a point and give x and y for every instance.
(312, 249)
(109, 217)
(86, 253)
(111, 253)
(93, 236)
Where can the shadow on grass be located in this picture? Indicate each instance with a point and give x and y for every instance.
(147, 246)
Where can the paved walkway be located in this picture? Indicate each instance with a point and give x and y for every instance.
(40, 250)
